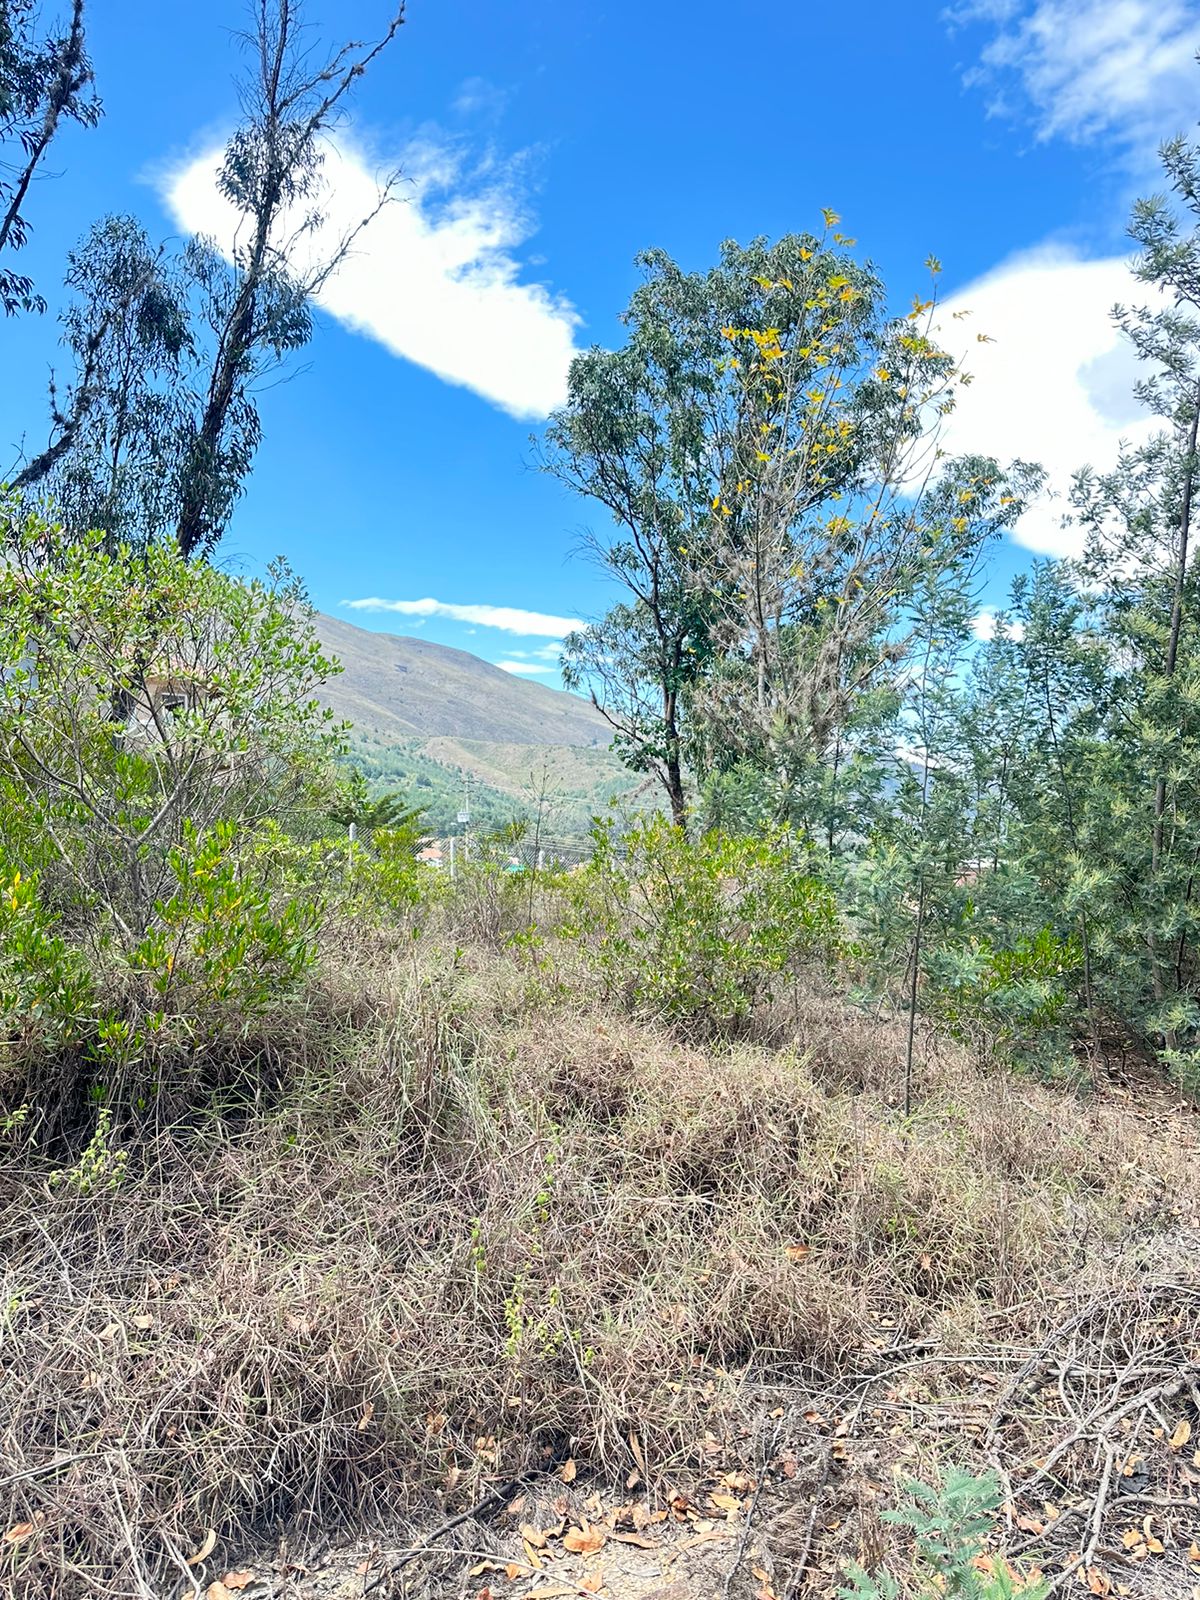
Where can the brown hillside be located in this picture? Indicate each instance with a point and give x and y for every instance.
(398, 686)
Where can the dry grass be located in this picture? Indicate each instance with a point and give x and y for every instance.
(492, 1228)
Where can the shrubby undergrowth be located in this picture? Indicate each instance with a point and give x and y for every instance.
(326, 1181)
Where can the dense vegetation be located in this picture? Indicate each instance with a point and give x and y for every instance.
(834, 1127)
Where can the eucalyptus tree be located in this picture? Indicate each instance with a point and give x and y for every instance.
(46, 81)
(158, 426)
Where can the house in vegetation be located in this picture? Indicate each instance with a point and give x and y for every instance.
(164, 692)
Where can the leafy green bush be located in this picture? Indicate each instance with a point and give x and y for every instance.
(158, 734)
(698, 931)
(45, 987)
(951, 1523)
(1014, 999)
(142, 697)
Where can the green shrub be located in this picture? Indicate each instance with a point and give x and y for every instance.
(46, 992)
(698, 930)
(1010, 1000)
(141, 697)
(221, 938)
(950, 1523)
(158, 735)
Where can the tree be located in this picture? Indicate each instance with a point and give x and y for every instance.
(1140, 551)
(762, 441)
(44, 82)
(160, 423)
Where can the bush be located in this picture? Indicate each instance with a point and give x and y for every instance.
(951, 1524)
(141, 698)
(158, 732)
(1011, 1000)
(698, 931)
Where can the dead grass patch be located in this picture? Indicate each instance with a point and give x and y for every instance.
(491, 1228)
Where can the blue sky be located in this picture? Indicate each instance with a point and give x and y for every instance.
(543, 146)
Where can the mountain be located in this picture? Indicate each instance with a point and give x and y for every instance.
(404, 688)
(427, 716)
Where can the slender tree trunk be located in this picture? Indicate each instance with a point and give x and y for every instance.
(673, 783)
(912, 999)
(1073, 835)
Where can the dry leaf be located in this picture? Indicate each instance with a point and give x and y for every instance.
(1183, 1432)
(593, 1583)
(218, 1591)
(532, 1535)
(20, 1531)
(568, 1472)
(554, 1592)
(237, 1580)
(142, 1322)
(531, 1555)
(513, 1571)
(634, 1539)
(206, 1549)
(584, 1541)
(796, 1252)
(726, 1502)
(1194, 1551)
(364, 1422)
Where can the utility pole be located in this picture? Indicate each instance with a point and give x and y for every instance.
(464, 817)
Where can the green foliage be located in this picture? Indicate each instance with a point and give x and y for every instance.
(1012, 1001)
(950, 1523)
(100, 1167)
(45, 80)
(46, 992)
(141, 698)
(355, 805)
(158, 729)
(698, 930)
(222, 938)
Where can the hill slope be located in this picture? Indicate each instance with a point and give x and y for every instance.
(403, 688)
(425, 714)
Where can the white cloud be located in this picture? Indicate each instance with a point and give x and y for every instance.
(544, 652)
(983, 626)
(526, 667)
(512, 619)
(1123, 70)
(434, 279)
(478, 96)
(1055, 383)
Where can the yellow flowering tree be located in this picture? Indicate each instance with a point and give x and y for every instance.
(761, 442)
